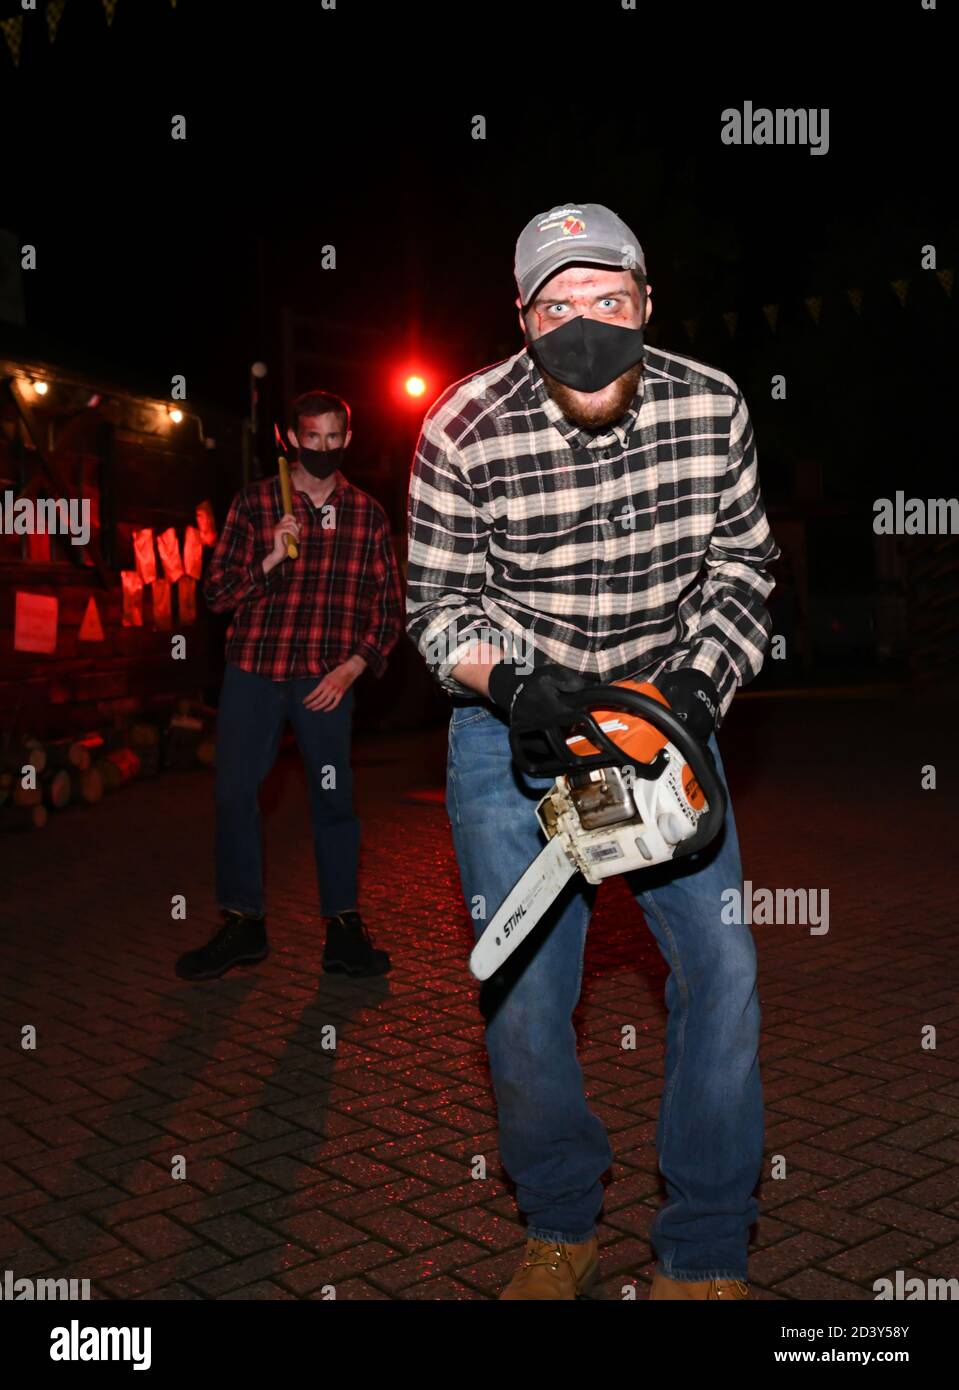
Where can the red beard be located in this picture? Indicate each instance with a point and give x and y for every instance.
(592, 417)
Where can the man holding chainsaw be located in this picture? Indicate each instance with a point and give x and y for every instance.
(589, 511)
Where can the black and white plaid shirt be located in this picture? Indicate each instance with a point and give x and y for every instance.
(619, 554)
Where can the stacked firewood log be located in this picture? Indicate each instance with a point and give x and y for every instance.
(38, 776)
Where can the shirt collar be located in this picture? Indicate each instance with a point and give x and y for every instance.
(342, 484)
(339, 490)
(534, 390)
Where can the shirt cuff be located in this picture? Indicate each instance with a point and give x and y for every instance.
(262, 582)
(461, 652)
(375, 660)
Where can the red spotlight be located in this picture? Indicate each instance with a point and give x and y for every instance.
(412, 385)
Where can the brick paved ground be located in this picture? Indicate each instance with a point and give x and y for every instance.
(307, 1167)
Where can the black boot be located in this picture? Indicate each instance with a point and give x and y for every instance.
(240, 941)
(349, 948)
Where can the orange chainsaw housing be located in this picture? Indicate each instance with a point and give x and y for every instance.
(637, 739)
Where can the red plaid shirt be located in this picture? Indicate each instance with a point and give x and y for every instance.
(339, 598)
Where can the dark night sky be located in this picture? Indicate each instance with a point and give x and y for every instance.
(160, 257)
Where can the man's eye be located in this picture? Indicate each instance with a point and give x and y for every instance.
(556, 309)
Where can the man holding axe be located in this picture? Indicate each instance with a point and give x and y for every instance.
(306, 565)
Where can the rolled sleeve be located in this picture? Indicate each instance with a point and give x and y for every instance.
(261, 582)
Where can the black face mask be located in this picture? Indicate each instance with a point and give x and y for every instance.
(320, 463)
(587, 354)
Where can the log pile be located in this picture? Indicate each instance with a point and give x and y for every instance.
(189, 735)
(40, 776)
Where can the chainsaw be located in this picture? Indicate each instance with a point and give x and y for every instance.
(633, 789)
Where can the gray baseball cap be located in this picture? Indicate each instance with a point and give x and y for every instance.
(568, 233)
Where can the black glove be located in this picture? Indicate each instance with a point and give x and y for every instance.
(534, 700)
(693, 698)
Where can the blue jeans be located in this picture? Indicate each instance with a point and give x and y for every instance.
(249, 725)
(709, 1139)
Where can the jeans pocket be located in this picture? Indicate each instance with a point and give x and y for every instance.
(468, 714)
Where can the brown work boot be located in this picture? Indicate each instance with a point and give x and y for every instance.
(725, 1289)
(554, 1271)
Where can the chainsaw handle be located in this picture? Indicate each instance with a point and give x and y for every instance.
(662, 719)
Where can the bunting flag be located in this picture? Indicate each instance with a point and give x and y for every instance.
(193, 553)
(54, 15)
(109, 9)
(186, 598)
(206, 523)
(169, 548)
(162, 595)
(13, 33)
(815, 304)
(91, 629)
(35, 623)
(132, 598)
(38, 548)
(145, 554)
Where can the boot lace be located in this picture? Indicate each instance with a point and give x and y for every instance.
(721, 1287)
(223, 938)
(354, 922)
(542, 1254)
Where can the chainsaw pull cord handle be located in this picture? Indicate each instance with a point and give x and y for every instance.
(663, 720)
